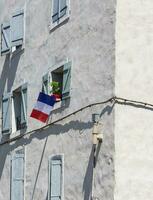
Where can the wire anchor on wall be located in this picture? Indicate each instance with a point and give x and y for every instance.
(97, 136)
(116, 100)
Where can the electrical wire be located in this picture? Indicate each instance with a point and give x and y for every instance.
(112, 99)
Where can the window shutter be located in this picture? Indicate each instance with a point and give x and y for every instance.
(17, 28)
(66, 80)
(5, 38)
(23, 105)
(45, 84)
(55, 179)
(55, 15)
(17, 178)
(6, 113)
(63, 8)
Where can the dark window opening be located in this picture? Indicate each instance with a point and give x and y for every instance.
(20, 107)
(57, 78)
(17, 108)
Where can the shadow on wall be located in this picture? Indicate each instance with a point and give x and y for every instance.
(4, 74)
(42, 134)
(7, 77)
(108, 109)
(88, 180)
(9, 71)
(65, 104)
(13, 67)
(55, 130)
(4, 151)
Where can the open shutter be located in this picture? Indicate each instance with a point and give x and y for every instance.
(63, 8)
(66, 80)
(55, 179)
(17, 178)
(6, 113)
(5, 38)
(23, 105)
(55, 9)
(45, 84)
(17, 28)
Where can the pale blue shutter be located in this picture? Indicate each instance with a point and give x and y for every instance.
(66, 80)
(5, 38)
(17, 28)
(55, 9)
(55, 179)
(17, 178)
(23, 105)
(63, 8)
(6, 113)
(45, 84)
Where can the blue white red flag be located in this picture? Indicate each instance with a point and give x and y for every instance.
(43, 107)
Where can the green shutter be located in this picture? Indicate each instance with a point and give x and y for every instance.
(55, 15)
(66, 80)
(17, 176)
(55, 182)
(6, 113)
(5, 38)
(23, 105)
(45, 84)
(17, 28)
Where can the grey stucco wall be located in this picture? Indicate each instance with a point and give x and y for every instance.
(73, 138)
(87, 39)
(133, 80)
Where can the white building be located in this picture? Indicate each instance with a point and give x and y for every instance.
(101, 54)
(71, 42)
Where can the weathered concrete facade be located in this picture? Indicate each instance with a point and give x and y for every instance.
(133, 80)
(88, 40)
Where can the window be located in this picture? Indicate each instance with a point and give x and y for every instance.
(17, 175)
(56, 178)
(20, 107)
(61, 76)
(60, 11)
(12, 33)
(14, 110)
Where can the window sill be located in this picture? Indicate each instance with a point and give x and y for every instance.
(15, 51)
(60, 22)
(61, 104)
(57, 105)
(17, 133)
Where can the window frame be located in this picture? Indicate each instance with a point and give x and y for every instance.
(15, 154)
(17, 48)
(61, 20)
(50, 71)
(13, 131)
(49, 74)
(56, 157)
(4, 26)
(20, 89)
(14, 48)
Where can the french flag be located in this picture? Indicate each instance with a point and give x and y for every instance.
(43, 107)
